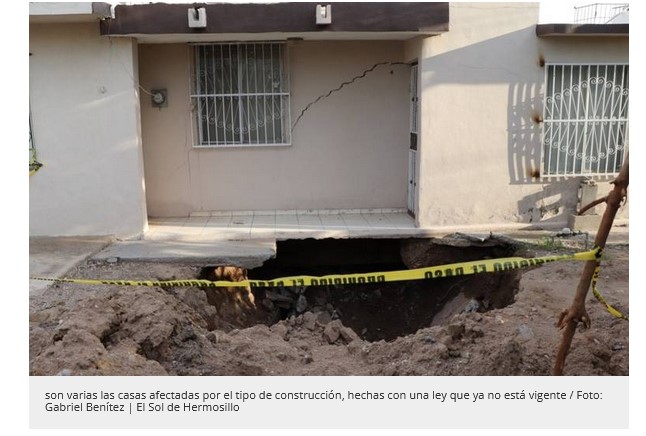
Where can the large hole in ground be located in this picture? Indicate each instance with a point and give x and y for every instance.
(375, 311)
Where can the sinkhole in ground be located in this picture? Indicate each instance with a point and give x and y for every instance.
(375, 311)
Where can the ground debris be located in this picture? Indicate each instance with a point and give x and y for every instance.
(188, 331)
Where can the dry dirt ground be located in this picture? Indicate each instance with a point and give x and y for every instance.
(106, 330)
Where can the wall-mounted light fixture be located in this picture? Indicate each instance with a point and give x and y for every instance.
(323, 14)
(159, 98)
(197, 18)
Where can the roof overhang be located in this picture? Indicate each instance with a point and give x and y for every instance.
(68, 12)
(565, 30)
(161, 22)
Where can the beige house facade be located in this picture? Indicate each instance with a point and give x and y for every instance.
(454, 112)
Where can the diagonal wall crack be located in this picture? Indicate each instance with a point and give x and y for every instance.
(341, 86)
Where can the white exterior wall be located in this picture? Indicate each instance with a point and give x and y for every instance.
(348, 151)
(480, 85)
(85, 112)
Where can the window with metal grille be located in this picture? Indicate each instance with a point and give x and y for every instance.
(585, 128)
(241, 95)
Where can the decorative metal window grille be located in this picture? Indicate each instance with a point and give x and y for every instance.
(241, 94)
(585, 129)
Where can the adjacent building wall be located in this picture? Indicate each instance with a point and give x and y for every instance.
(481, 84)
(348, 151)
(85, 112)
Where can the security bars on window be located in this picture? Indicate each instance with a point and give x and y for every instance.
(241, 95)
(585, 129)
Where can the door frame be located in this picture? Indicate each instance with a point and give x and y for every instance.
(413, 145)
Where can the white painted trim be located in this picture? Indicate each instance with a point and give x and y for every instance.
(296, 212)
(60, 8)
(585, 63)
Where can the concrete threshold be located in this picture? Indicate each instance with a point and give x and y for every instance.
(247, 254)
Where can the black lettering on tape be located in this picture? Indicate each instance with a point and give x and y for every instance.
(429, 273)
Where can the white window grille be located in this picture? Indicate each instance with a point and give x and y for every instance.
(241, 94)
(585, 128)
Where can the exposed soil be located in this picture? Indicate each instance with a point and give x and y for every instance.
(493, 325)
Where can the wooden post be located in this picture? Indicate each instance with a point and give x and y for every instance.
(576, 313)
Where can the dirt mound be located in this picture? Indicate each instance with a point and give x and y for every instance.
(153, 331)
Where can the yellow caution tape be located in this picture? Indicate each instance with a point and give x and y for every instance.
(595, 277)
(431, 272)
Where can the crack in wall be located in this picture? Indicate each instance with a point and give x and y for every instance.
(341, 86)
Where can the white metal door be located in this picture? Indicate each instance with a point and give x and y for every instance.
(411, 181)
(412, 146)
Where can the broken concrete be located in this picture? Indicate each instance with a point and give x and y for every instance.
(246, 254)
(55, 256)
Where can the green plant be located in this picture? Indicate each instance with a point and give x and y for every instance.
(549, 243)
